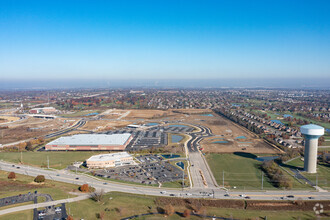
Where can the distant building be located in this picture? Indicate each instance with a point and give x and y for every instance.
(109, 160)
(91, 142)
(45, 110)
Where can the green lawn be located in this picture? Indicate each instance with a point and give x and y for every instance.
(121, 205)
(116, 205)
(23, 215)
(24, 184)
(322, 176)
(57, 160)
(241, 172)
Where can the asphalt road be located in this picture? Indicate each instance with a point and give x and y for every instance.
(75, 126)
(69, 177)
(201, 176)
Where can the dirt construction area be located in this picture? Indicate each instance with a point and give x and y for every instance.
(229, 137)
(31, 128)
(104, 125)
(232, 138)
(5, 119)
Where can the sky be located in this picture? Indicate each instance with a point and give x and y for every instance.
(164, 39)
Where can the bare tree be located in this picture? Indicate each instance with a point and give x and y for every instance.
(97, 196)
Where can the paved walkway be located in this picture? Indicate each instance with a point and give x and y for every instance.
(43, 204)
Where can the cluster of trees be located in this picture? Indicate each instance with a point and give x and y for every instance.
(289, 154)
(85, 188)
(40, 179)
(29, 144)
(276, 175)
(11, 176)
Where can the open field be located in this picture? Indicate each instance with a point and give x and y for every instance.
(31, 128)
(103, 125)
(4, 119)
(193, 111)
(323, 173)
(79, 113)
(149, 114)
(242, 171)
(23, 215)
(117, 205)
(57, 160)
(226, 130)
(24, 184)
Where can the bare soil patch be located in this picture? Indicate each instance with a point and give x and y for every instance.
(31, 128)
(149, 114)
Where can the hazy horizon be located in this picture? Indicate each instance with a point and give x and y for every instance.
(291, 83)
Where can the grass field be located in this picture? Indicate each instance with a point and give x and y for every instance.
(121, 205)
(23, 215)
(57, 160)
(322, 177)
(116, 205)
(24, 184)
(241, 172)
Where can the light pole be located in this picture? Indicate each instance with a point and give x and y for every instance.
(262, 180)
(182, 179)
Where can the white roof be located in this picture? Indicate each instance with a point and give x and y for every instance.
(108, 157)
(92, 139)
(312, 129)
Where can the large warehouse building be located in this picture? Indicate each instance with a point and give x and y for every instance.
(109, 160)
(91, 142)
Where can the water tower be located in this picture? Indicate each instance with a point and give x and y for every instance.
(312, 134)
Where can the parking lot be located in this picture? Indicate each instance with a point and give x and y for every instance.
(152, 169)
(144, 138)
(50, 213)
(29, 197)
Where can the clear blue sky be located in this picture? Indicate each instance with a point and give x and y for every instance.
(164, 39)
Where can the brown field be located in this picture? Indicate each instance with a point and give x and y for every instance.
(103, 125)
(219, 126)
(4, 119)
(31, 128)
(113, 113)
(149, 114)
(193, 111)
(226, 130)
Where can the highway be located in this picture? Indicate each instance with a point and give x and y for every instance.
(79, 179)
(79, 124)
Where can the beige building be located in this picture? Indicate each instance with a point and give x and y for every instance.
(109, 160)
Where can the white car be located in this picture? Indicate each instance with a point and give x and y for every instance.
(188, 194)
(163, 192)
(242, 195)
